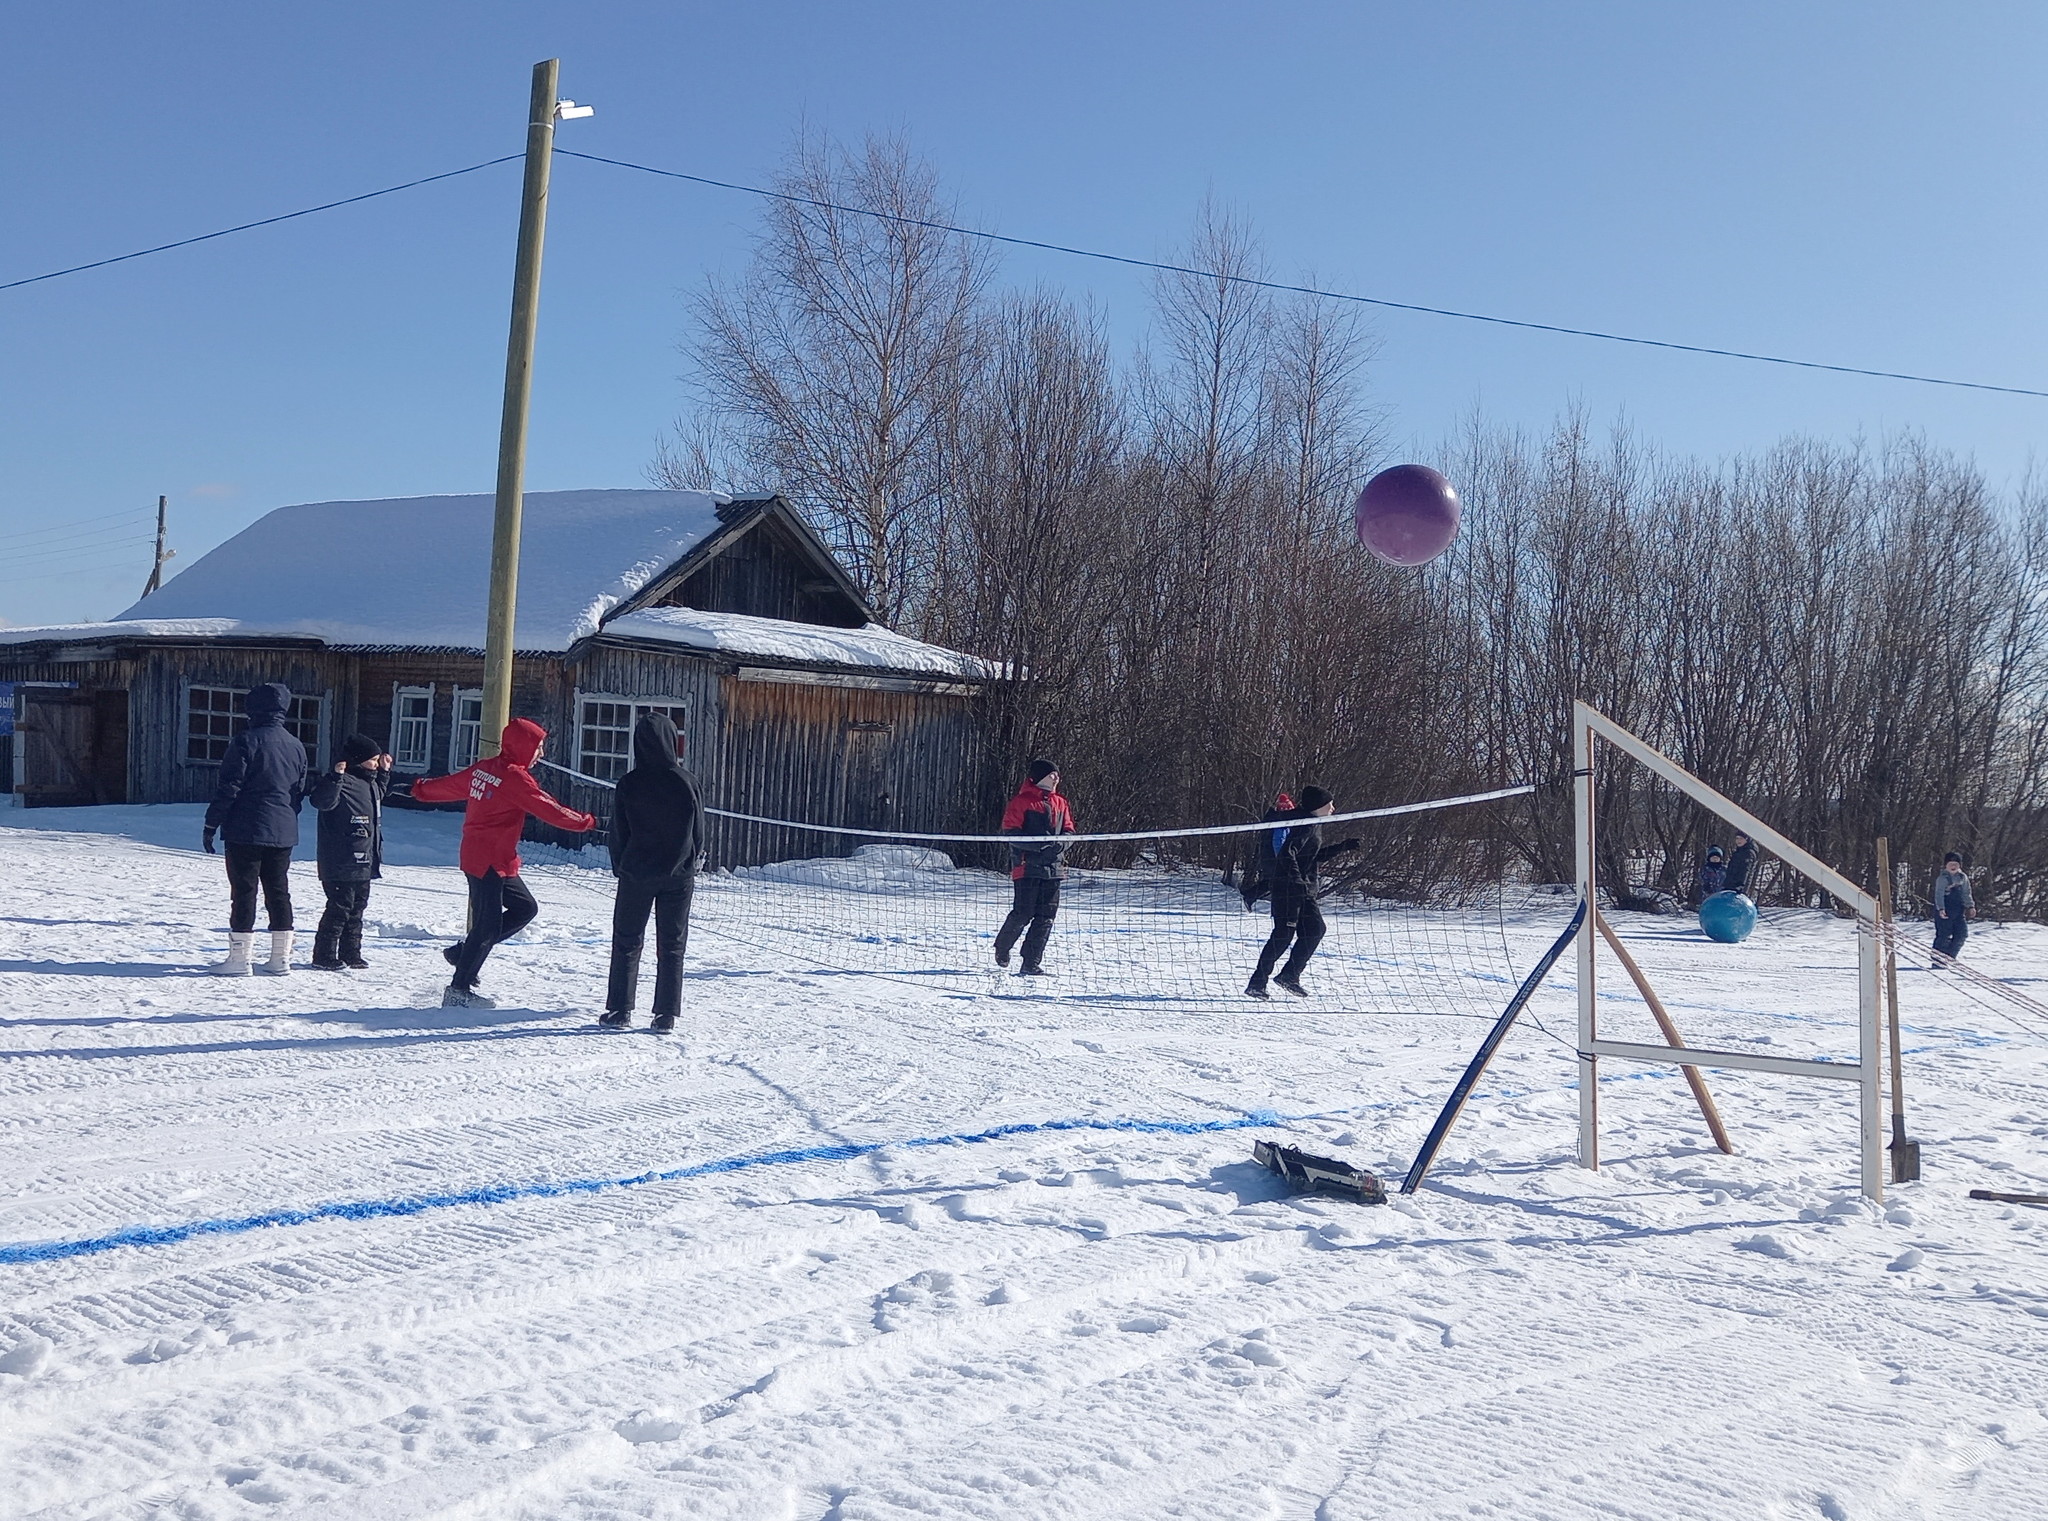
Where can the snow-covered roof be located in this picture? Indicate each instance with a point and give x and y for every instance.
(146, 628)
(414, 571)
(411, 573)
(870, 646)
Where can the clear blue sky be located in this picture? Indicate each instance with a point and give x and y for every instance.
(1860, 183)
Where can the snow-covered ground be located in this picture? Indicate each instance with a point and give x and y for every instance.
(896, 1306)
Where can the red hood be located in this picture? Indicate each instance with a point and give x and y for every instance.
(522, 741)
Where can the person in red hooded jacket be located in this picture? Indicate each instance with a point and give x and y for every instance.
(500, 793)
(1038, 810)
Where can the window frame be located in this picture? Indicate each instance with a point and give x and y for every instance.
(635, 707)
(400, 691)
(457, 724)
(238, 721)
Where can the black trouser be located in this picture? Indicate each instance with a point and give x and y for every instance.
(340, 936)
(671, 907)
(1950, 933)
(499, 908)
(1298, 920)
(1034, 901)
(251, 865)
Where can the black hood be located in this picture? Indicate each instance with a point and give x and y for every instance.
(654, 744)
(267, 702)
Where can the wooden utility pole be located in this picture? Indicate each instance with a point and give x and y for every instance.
(533, 223)
(156, 571)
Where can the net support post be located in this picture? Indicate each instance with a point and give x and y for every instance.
(1582, 831)
(1870, 1055)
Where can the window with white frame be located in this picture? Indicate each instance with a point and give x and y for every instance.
(465, 739)
(213, 716)
(412, 728)
(604, 730)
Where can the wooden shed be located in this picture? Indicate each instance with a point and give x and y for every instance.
(729, 614)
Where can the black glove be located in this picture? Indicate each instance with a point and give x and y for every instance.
(206, 839)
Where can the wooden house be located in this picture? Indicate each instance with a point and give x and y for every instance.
(729, 614)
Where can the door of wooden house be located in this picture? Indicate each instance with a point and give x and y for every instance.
(867, 786)
(74, 747)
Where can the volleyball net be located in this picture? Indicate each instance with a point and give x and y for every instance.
(1146, 917)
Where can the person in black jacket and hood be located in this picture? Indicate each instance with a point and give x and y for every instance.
(1741, 862)
(657, 837)
(1294, 857)
(350, 802)
(255, 810)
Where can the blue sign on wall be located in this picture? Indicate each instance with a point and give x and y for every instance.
(6, 707)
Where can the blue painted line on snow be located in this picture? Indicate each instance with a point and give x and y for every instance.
(507, 1193)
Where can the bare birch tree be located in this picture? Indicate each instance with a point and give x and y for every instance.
(835, 362)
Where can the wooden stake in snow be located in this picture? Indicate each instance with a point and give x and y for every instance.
(1693, 1079)
(1905, 1153)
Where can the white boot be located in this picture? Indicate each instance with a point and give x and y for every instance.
(237, 964)
(280, 961)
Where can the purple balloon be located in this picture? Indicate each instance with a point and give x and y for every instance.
(1407, 515)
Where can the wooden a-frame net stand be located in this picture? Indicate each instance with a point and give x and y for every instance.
(1589, 926)
(1590, 729)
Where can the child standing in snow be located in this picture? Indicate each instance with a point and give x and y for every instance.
(350, 802)
(1036, 871)
(1713, 873)
(1295, 856)
(1954, 903)
(499, 792)
(255, 811)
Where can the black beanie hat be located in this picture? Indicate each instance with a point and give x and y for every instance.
(358, 748)
(1313, 798)
(1040, 769)
(1951, 856)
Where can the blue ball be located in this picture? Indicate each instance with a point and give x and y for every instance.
(1728, 917)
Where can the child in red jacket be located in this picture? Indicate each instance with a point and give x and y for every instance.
(1038, 810)
(500, 792)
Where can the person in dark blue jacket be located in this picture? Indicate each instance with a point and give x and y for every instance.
(350, 802)
(1713, 873)
(255, 811)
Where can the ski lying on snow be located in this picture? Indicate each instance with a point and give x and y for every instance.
(1998, 1198)
(1320, 1175)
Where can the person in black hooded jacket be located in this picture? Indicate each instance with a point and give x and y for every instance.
(1294, 858)
(350, 802)
(656, 839)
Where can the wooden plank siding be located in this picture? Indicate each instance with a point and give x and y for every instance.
(767, 574)
(156, 679)
(837, 755)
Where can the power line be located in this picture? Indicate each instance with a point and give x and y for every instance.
(47, 557)
(1127, 260)
(1308, 290)
(78, 525)
(204, 237)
